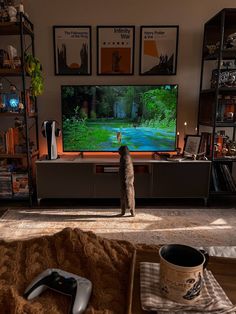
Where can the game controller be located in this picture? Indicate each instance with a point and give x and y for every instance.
(77, 287)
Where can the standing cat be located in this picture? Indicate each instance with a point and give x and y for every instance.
(126, 172)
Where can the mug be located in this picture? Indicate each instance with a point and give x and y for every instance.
(181, 272)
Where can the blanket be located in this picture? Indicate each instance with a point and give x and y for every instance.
(105, 262)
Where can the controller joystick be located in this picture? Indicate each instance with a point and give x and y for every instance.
(77, 287)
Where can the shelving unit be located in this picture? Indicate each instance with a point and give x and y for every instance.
(217, 100)
(20, 29)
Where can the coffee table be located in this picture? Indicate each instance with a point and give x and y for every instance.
(224, 270)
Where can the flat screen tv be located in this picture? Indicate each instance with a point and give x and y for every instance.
(102, 118)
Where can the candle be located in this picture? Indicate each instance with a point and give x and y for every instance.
(196, 130)
(177, 140)
(185, 129)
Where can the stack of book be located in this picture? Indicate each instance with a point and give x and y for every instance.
(5, 182)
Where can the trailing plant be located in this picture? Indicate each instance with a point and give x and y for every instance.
(33, 68)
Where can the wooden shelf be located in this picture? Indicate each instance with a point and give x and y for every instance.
(11, 114)
(13, 156)
(19, 156)
(227, 54)
(221, 90)
(226, 124)
(18, 114)
(218, 124)
(13, 28)
(223, 193)
(224, 159)
(14, 198)
(10, 72)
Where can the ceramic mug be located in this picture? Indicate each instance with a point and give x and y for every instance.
(181, 272)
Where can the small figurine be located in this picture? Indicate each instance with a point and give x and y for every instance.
(21, 106)
(12, 12)
(224, 149)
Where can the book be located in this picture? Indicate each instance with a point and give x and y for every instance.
(230, 183)
(215, 180)
(2, 142)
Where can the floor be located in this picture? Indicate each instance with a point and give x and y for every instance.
(179, 221)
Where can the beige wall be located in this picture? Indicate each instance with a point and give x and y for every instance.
(190, 15)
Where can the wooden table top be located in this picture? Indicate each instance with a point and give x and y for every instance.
(224, 270)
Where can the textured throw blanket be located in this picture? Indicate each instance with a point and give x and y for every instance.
(105, 262)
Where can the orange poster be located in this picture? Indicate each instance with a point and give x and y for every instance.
(115, 50)
(116, 60)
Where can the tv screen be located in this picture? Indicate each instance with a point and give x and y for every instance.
(102, 118)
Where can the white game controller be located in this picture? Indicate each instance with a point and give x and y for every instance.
(77, 287)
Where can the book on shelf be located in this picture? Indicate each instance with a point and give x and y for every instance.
(30, 103)
(215, 180)
(2, 142)
(5, 184)
(222, 179)
(11, 142)
(230, 183)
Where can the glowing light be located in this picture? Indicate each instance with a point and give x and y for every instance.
(14, 102)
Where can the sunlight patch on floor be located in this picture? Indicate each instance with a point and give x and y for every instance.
(219, 221)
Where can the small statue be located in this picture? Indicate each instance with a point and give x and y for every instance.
(12, 12)
(232, 148)
(224, 149)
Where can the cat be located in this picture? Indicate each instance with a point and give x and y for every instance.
(126, 173)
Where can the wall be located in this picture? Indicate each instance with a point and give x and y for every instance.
(190, 15)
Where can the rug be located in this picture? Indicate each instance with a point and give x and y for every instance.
(191, 226)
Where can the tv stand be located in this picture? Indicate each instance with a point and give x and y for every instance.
(99, 178)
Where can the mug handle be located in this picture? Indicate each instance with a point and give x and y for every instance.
(206, 257)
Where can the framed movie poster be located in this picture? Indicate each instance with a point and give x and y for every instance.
(115, 50)
(72, 50)
(158, 50)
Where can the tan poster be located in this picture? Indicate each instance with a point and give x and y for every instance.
(115, 50)
(158, 50)
(72, 47)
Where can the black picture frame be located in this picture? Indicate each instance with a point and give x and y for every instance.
(119, 49)
(81, 59)
(191, 145)
(155, 59)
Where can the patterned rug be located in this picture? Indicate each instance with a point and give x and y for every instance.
(192, 226)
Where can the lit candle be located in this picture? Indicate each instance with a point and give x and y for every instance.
(185, 129)
(196, 130)
(177, 140)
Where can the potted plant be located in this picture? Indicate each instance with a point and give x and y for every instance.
(33, 68)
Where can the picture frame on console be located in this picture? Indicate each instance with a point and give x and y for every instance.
(115, 50)
(191, 145)
(158, 50)
(72, 50)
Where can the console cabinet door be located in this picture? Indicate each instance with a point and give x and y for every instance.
(64, 180)
(183, 179)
